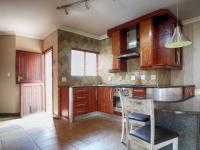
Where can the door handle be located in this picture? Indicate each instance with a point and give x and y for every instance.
(19, 78)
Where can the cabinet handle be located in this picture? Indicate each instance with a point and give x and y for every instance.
(111, 95)
(96, 95)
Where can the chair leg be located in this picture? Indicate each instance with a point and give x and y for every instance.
(123, 131)
(128, 145)
(175, 144)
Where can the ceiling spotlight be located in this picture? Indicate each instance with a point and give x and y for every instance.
(86, 4)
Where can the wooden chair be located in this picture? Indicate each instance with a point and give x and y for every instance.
(148, 136)
(136, 120)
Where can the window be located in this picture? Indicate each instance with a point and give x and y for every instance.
(83, 63)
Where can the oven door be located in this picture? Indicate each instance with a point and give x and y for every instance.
(117, 104)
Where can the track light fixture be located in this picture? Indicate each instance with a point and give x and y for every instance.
(65, 7)
(86, 4)
(66, 12)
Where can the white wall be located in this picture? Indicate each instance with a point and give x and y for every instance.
(9, 90)
(191, 70)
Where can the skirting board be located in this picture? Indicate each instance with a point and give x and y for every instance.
(98, 114)
(9, 115)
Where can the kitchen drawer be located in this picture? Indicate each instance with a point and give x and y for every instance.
(188, 91)
(80, 111)
(81, 104)
(81, 97)
(80, 91)
(139, 92)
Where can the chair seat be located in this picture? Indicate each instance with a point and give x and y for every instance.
(161, 134)
(138, 117)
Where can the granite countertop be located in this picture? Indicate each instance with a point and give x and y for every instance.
(130, 85)
(190, 106)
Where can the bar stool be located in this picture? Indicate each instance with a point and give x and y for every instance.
(136, 120)
(147, 136)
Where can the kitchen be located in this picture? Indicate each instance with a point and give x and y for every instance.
(133, 59)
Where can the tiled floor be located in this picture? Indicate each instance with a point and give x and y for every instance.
(41, 132)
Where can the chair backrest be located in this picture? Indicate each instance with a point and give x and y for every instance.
(140, 106)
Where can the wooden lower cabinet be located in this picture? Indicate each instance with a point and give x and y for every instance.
(84, 100)
(105, 99)
(91, 99)
(64, 102)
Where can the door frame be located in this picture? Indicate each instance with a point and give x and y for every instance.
(46, 51)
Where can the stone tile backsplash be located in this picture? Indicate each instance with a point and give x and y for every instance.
(67, 41)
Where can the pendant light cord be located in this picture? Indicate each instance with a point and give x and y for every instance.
(177, 12)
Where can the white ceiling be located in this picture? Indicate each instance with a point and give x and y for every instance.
(37, 18)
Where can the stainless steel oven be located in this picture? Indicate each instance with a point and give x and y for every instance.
(116, 99)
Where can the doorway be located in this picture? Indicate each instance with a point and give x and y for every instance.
(48, 81)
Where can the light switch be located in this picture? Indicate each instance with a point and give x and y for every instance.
(142, 77)
(132, 77)
(8, 74)
(153, 77)
(64, 79)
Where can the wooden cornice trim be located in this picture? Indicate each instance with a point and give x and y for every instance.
(136, 21)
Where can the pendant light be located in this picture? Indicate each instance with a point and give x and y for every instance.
(178, 39)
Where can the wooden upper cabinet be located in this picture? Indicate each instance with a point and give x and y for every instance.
(118, 46)
(163, 28)
(146, 56)
(154, 34)
(155, 30)
(29, 67)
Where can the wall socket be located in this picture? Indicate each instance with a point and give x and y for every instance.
(132, 77)
(143, 77)
(109, 78)
(120, 78)
(64, 79)
(153, 77)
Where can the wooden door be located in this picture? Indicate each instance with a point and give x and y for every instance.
(93, 99)
(29, 67)
(146, 55)
(105, 99)
(31, 98)
(30, 76)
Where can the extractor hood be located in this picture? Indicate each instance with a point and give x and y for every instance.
(132, 44)
(130, 53)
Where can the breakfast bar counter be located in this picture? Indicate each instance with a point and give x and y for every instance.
(182, 117)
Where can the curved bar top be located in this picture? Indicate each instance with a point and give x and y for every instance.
(191, 105)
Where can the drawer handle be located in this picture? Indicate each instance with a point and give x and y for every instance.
(80, 90)
(80, 105)
(81, 111)
(138, 90)
(81, 97)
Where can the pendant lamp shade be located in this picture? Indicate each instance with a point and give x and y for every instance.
(178, 39)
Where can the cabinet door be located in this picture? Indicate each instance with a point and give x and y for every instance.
(93, 99)
(118, 46)
(105, 99)
(64, 102)
(29, 67)
(146, 43)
